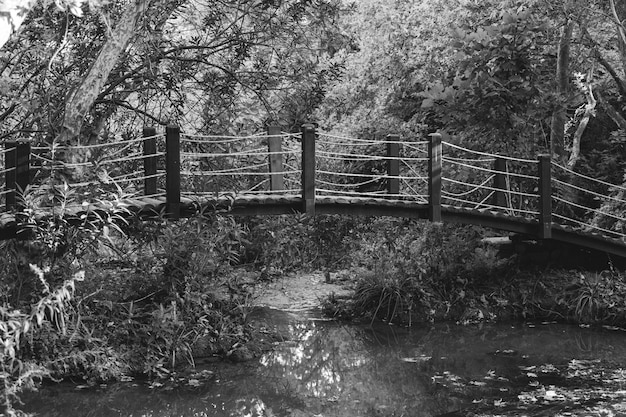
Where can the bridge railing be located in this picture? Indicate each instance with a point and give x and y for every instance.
(387, 168)
(258, 164)
(588, 203)
(436, 173)
(94, 172)
(483, 181)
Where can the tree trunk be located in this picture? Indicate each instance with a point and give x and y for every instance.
(557, 125)
(615, 115)
(588, 112)
(83, 97)
(618, 9)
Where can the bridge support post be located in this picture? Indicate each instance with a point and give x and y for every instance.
(393, 164)
(18, 178)
(172, 171)
(149, 161)
(545, 197)
(308, 169)
(274, 144)
(434, 177)
(499, 182)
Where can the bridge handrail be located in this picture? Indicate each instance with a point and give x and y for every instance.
(321, 164)
(223, 138)
(578, 174)
(509, 158)
(594, 193)
(490, 170)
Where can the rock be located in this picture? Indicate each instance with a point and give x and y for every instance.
(240, 354)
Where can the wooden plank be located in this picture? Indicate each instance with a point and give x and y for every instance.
(172, 171)
(149, 161)
(308, 169)
(22, 171)
(393, 164)
(434, 177)
(499, 182)
(10, 161)
(274, 144)
(545, 197)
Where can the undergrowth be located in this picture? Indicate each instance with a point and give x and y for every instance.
(111, 296)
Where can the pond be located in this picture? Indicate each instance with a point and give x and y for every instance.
(325, 368)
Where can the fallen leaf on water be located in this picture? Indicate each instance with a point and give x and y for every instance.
(416, 359)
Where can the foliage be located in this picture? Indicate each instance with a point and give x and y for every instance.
(596, 297)
(178, 298)
(217, 66)
(485, 74)
(17, 375)
(293, 242)
(611, 212)
(500, 77)
(422, 272)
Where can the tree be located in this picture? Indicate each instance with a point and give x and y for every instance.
(205, 65)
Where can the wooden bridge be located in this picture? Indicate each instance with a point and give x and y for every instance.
(174, 175)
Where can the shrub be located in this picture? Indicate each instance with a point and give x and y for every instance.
(295, 242)
(595, 297)
(422, 271)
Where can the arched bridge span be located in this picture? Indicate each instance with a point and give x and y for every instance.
(175, 175)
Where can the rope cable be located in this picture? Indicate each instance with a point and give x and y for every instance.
(509, 158)
(616, 186)
(589, 226)
(588, 191)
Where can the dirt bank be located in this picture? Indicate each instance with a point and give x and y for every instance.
(299, 292)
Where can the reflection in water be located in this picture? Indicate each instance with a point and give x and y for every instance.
(329, 369)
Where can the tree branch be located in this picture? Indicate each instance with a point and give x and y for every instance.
(621, 85)
(126, 105)
(83, 97)
(588, 112)
(615, 115)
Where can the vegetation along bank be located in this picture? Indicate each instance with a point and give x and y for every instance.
(105, 298)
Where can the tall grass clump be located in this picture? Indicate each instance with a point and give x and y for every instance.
(417, 271)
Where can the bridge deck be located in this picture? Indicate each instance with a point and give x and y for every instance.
(314, 172)
(259, 204)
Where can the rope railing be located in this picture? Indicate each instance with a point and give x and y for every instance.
(578, 174)
(593, 193)
(481, 186)
(367, 165)
(260, 163)
(488, 155)
(590, 227)
(312, 164)
(585, 206)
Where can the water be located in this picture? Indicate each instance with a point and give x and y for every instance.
(330, 369)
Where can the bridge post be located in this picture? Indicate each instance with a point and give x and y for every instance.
(149, 161)
(545, 197)
(393, 164)
(274, 144)
(172, 171)
(17, 156)
(434, 177)
(499, 182)
(308, 169)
